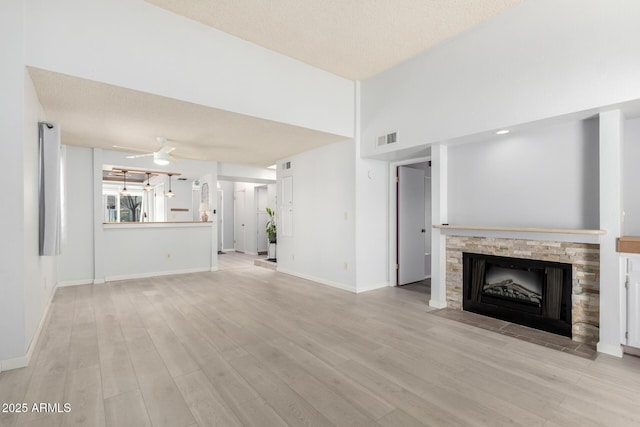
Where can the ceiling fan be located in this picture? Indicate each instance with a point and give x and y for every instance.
(161, 157)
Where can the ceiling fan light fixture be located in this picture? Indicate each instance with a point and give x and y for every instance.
(161, 158)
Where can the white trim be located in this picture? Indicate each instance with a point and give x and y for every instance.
(23, 361)
(612, 350)
(229, 250)
(15, 363)
(212, 269)
(156, 274)
(393, 211)
(121, 225)
(98, 281)
(437, 304)
(75, 283)
(251, 253)
(361, 289)
(317, 280)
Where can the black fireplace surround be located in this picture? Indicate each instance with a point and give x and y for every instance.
(532, 293)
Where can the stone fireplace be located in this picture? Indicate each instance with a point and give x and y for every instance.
(576, 304)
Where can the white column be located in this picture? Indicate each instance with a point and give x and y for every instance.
(611, 279)
(438, 216)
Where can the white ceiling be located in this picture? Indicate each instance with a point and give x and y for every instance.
(94, 114)
(350, 38)
(355, 39)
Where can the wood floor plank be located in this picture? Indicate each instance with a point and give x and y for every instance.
(164, 402)
(84, 394)
(206, 405)
(250, 346)
(289, 405)
(126, 410)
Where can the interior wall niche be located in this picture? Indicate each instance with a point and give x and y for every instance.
(542, 177)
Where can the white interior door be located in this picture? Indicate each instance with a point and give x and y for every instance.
(220, 219)
(633, 303)
(411, 226)
(263, 217)
(239, 221)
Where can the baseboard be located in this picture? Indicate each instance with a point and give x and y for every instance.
(229, 250)
(75, 283)
(156, 274)
(98, 281)
(437, 304)
(212, 269)
(15, 363)
(23, 361)
(427, 277)
(251, 253)
(367, 288)
(612, 350)
(316, 279)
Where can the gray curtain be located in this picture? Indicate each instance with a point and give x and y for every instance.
(477, 278)
(552, 299)
(49, 189)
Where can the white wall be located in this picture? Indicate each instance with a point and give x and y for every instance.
(143, 250)
(39, 272)
(12, 84)
(322, 247)
(244, 173)
(183, 199)
(85, 250)
(26, 279)
(631, 178)
(75, 264)
(537, 60)
(179, 58)
(539, 178)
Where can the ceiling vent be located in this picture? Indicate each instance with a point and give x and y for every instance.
(286, 165)
(390, 138)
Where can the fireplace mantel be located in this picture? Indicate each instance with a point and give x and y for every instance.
(521, 229)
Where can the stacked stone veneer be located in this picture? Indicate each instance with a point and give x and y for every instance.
(584, 257)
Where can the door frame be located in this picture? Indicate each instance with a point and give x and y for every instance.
(393, 215)
(235, 220)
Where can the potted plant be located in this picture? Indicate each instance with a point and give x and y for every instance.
(271, 226)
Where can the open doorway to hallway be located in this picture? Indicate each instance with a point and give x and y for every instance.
(413, 226)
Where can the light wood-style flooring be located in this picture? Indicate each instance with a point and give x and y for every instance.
(250, 346)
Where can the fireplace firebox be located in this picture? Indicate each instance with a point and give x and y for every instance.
(532, 293)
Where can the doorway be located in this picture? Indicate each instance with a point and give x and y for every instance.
(220, 220)
(262, 201)
(412, 225)
(239, 220)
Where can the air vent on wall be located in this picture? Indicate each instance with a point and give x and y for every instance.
(286, 165)
(390, 138)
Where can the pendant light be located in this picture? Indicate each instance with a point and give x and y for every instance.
(124, 191)
(169, 193)
(148, 187)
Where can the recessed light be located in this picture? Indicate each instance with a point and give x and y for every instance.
(503, 132)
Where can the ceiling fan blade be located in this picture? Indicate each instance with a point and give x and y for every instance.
(139, 155)
(120, 147)
(166, 149)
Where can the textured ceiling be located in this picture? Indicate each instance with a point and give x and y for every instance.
(93, 114)
(355, 39)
